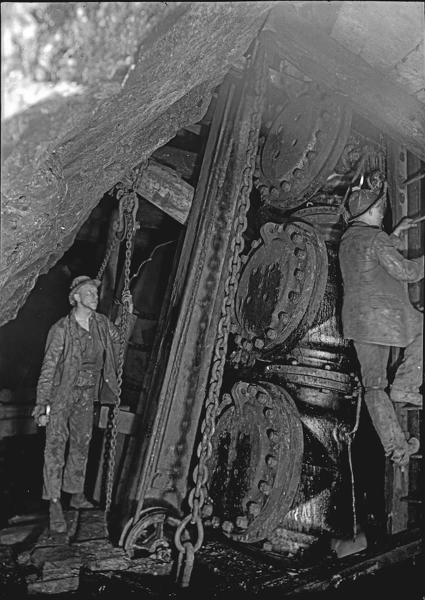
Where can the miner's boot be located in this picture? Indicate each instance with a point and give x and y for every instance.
(79, 501)
(402, 459)
(57, 522)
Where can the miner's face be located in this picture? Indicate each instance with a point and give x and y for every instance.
(88, 296)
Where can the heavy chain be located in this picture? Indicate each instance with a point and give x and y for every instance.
(121, 195)
(200, 475)
(127, 224)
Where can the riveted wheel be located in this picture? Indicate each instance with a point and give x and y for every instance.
(302, 148)
(281, 288)
(256, 460)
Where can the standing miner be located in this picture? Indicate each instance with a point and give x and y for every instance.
(79, 367)
(378, 314)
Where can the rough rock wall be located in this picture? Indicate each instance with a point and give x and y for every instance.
(64, 153)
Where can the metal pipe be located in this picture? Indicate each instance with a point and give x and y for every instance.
(410, 180)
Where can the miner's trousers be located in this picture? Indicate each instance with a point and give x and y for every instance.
(373, 359)
(73, 422)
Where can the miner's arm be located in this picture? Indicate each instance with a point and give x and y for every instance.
(402, 269)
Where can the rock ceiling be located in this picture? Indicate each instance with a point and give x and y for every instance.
(62, 154)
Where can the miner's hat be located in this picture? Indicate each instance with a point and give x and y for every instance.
(78, 283)
(361, 201)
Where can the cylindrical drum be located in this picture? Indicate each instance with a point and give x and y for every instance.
(279, 471)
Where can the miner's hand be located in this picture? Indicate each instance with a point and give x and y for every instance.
(40, 414)
(128, 300)
(404, 225)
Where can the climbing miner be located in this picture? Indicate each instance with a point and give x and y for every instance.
(79, 367)
(378, 314)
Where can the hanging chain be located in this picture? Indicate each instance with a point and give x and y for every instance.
(121, 195)
(200, 475)
(127, 224)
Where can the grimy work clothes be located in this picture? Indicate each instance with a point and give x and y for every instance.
(63, 361)
(377, 314)
(376, 306)
(79, 367)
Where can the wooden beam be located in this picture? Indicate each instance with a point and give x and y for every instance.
(181, 161)
(164, 188)
(326, 61)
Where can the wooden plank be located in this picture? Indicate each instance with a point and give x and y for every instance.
(164, 188)
(181, 161)
(369, 92)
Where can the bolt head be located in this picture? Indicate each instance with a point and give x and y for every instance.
(227, 527)
(271, 462)
(271, 334)
(300, 254)
(269, 413)
(262, 398)
(254, 509)
(259, 343)
(267, 546)
(285, 186)
(296, 238)
(215, 522)
(242, 522)
(273, 437)
(265, 488)
(207, 510)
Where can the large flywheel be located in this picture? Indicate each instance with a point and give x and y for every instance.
(256, 460)
(280, 289)
(302, 148)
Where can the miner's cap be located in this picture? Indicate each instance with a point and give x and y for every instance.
(361, 201)
(77, 284)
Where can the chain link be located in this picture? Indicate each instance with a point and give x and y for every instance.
(200, 475)
(127, 219)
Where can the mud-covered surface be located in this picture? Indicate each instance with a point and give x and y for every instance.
(221, 572)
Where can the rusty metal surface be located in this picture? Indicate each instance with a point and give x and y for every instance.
(302, 147)
(256, 460)
(280, 289)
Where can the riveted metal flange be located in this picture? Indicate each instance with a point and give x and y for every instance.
(280, 289)
(301, 148)
(256, 461)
